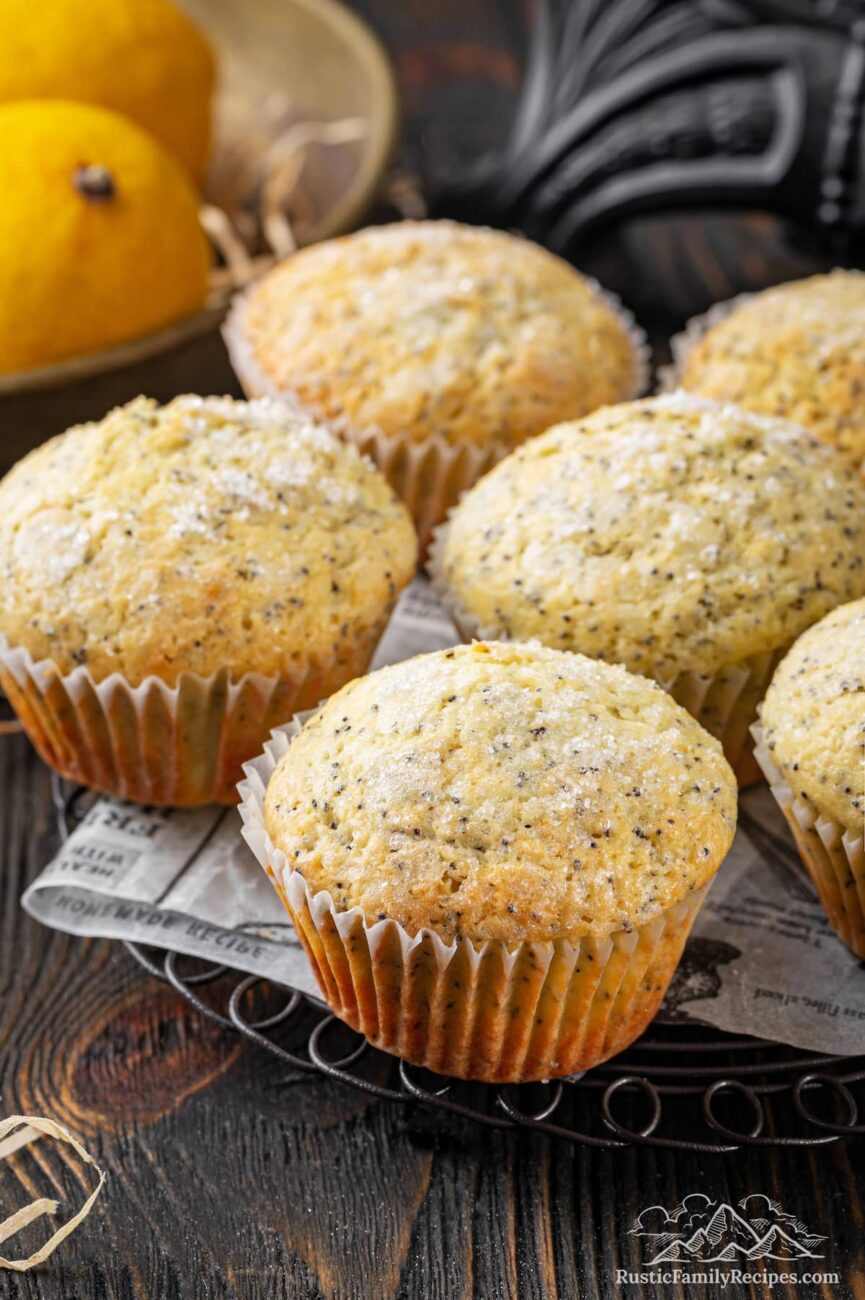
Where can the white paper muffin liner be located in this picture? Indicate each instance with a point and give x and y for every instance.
(431, 475)
(724, 702)
(833, 857)
(495, 1012)
(152, 743)
(683, 343)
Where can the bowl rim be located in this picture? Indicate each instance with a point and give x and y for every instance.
(91, 364)
(345, 214)
(373, 54)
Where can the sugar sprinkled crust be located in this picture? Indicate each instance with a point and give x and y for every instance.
(670, 534)
(503, 791)
(798, 351)
(425, 329)
(203, 535)
(814, 716)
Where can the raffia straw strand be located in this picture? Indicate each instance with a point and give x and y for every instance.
(283, 166)
(34, 1126)
(300, 134)
(405, 192)
(223, 282)
(15, 1141)
(217, 225)
(29, 1214)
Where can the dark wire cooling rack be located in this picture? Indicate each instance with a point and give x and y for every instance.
(682, 1086)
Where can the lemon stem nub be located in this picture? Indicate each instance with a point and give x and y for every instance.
(96, 183)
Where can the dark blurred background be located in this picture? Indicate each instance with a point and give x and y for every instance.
(460, 65)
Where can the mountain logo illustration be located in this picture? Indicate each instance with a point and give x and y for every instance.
(712, 1232)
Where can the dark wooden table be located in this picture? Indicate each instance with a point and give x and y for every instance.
(227, 1175)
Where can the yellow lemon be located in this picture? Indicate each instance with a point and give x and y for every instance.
(99, 234)
(143, 58)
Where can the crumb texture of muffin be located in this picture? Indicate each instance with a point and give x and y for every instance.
(797, 351)
(202, 536)
(503, 792)
(667, 535)
(813, 718)
(425, 330)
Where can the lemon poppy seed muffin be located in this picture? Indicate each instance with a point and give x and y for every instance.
(208, 541)
(435, 329)
(433, 346)
(204, 534)
(558, 815)
(509, 792)
(797, 351)
(813, 716)
(688, 540)
(813, 748)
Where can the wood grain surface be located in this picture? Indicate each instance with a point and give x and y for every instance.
(227, 1175)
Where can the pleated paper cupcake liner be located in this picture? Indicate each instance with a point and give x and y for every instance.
(683, 343)
(178, 746)
(432, 474)
(833, 857)
(724, 702)
(493, 1012)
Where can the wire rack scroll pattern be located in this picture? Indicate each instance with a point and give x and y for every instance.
(682, 1086)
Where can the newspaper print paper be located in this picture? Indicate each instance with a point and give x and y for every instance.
(762, 960)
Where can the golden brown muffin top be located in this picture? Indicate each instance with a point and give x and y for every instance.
(672, 534)
(798, 351)
(500, 791)
(203, 535)
(813, 717)
(434, 329)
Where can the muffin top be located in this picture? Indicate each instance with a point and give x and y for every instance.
(497, 791)
(430, 328)
(204, 535)
(670, 534)
(813, 716)
(798, 351)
